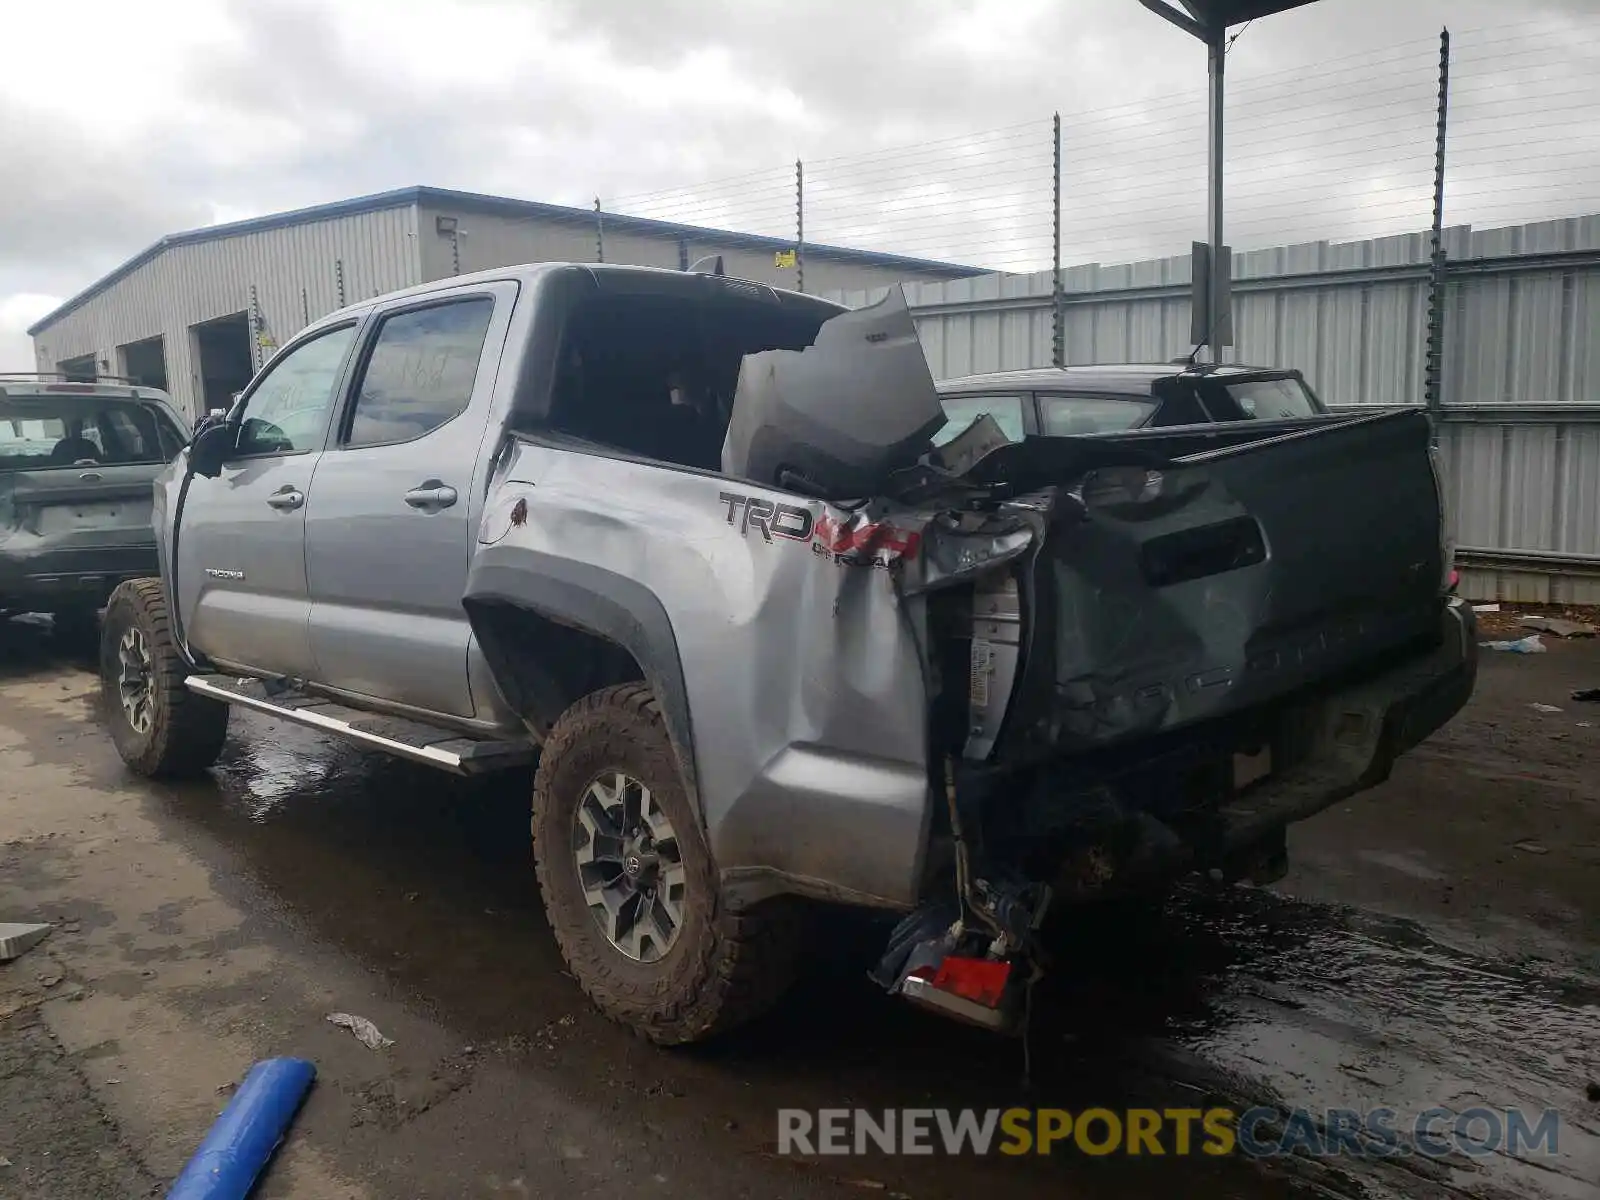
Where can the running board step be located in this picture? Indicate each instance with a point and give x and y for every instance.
(447, 749)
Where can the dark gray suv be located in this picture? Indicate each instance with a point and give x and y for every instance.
(77, 464)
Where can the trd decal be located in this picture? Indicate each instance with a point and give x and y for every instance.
(771, 520)
(849, 542)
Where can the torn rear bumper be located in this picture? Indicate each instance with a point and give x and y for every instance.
(72, 578)
(1359, 731)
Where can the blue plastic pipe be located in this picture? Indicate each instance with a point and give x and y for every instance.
(242, 1139)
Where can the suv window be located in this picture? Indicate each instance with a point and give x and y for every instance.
(421, 371)
(39, 432)
(961, 411)
(1074, 416)
(288, 410)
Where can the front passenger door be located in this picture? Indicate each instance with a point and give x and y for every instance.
(241, 568)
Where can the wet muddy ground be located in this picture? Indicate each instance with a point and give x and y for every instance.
(1437, 943)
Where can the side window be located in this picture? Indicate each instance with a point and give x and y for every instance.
(961, 411)
(288, 410)
(171, 440)
(1181, 406)
(420, 372)
(1079, 416)
(134, 432)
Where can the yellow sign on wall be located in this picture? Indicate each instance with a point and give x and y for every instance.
(783, 258)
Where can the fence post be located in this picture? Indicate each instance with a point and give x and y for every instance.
(1058, 340)
(255, 328)
(338, 279)
(305, 308)
(1433, 390)
(599, 232)
(799, 225)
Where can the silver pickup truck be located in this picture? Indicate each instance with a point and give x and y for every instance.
(687, 541)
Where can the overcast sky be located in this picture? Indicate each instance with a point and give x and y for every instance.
(122, 122)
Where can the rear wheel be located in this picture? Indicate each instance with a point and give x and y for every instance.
(161, 729)
(629, 886)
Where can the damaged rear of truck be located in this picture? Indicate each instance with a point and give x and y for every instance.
(688, 540)
(976, 684)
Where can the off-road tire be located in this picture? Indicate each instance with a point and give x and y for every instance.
(186, 731)
(724, 968)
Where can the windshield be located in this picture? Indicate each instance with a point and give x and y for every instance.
(41, 432)
(1075, 416)
(1271, 399)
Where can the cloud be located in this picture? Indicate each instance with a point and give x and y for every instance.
(252, 106)
(17, 312)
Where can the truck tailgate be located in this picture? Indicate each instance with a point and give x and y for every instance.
(1234, 576)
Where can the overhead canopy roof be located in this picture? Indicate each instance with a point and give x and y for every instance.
(1200, 16)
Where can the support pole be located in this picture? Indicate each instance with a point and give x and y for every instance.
(1434, 378)
(1217, 298)
(599, 232)
(338, 279)
(800, 225)
(255, 329)
(1058, 342)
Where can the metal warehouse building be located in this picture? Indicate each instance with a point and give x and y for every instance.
(198, 312)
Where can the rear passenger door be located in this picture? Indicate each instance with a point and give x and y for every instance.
(392, 521)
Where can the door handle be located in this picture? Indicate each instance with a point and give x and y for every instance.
(287, 498)
(431, 494)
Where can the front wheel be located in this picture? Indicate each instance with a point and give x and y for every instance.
(629, 886)
(161, 729)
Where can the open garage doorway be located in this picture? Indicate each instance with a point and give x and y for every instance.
(78, 370)
(222, 348)
(144, 362)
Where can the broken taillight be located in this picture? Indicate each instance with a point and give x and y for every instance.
(981, 980)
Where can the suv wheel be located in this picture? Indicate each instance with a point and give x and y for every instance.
(161, 729)
(629, 885)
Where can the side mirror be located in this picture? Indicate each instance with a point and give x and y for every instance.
(210, 449)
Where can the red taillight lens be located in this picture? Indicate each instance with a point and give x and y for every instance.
(981, 980)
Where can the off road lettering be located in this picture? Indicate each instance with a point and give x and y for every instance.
(788, 521)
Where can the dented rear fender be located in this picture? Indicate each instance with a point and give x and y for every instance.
(801, 714)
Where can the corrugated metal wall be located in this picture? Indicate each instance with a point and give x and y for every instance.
(485, 240)
(295, 271)
(1522, 368)
(187, 284)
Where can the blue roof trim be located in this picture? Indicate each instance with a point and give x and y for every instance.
(479, 202)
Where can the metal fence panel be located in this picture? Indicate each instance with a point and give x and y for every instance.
(1522, 334)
